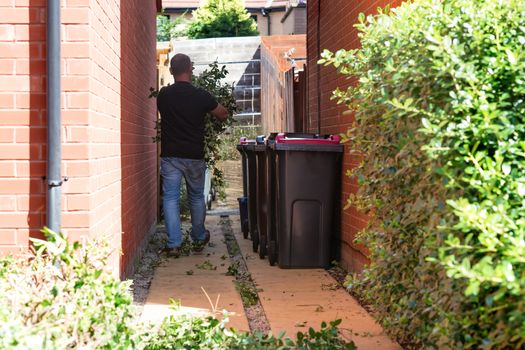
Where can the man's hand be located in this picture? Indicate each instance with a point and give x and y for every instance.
(220, 113)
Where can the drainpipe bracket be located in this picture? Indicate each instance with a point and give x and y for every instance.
(54, 183)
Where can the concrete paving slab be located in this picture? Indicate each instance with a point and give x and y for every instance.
(295, 299)
(173, 280)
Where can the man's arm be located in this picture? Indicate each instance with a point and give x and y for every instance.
(220, 113)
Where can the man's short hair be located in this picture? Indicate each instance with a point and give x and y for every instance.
(180, 63)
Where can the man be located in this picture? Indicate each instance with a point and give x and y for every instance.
(183, 108)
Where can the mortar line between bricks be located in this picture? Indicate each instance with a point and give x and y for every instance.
(257, 320)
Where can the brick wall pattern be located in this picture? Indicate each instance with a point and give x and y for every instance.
(108, 65)
(336, 31)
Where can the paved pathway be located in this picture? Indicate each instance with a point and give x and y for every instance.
(180, 279)
(296, 299)
(293, 300)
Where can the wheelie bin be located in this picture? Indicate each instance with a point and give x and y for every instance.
(243, 201)
(251, 172)
(262, 194)
(307, 173)
(271, 218)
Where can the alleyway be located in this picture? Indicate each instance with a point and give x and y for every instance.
(291, 300)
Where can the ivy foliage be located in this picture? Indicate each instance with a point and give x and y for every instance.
(221, 18)
(212, 80)
(439, 103)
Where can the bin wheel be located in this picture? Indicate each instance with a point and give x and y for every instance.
(272, 253)
(255, 242)
(262, 247)
(245, 233)
(209, 202)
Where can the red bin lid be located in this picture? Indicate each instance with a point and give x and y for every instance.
(330, 140)
(245, 141)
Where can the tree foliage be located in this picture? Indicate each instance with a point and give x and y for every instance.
(440, 121)
(221, 18)
(168, 29)
(164, 26)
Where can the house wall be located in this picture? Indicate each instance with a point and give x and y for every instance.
(337, 18)
(138, 115)
(295, 22)
(106, 120)
(276, 27)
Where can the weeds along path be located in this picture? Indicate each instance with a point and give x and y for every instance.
(243, 281)
(193, 280)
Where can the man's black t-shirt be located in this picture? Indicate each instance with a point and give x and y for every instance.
(182, 108)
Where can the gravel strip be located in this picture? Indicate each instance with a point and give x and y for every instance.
(146, 267)
(151, 258)
(252, 306)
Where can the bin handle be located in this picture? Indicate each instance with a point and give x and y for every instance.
(335, 138)
(281, 138)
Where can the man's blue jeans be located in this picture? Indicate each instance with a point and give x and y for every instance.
(172, 171)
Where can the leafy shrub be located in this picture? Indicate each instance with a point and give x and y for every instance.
(61, 298)
(221, 18)
(440, 104)
(164, 26)
(182, 332)
(212, 81)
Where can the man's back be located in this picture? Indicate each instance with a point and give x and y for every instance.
(183, 108)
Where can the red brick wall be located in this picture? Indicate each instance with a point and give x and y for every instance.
(337, 18)
(138, 152)
(104, 122)
(107, 122)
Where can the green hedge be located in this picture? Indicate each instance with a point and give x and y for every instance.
(62, 298)
(440, 120)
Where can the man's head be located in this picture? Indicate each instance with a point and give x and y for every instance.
(181, 67)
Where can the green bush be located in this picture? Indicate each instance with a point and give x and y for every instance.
(440, 105)
(164, 27)
(221, 18)
(212, 81)
(61, 298)
(182, 332)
